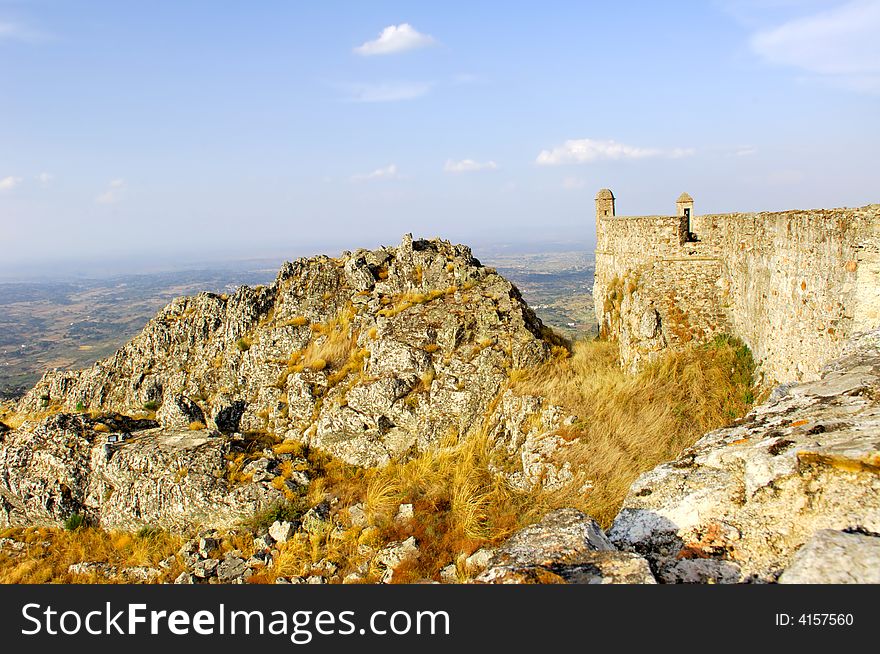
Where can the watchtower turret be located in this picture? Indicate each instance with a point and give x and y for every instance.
(604, 204)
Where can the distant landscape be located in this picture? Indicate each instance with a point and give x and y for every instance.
(71, 324)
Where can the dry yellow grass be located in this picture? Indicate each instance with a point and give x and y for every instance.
(630, 423)
(51, 551)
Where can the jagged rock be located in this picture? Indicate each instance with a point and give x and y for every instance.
(357, 515)
(157, 478)
(228, 417)
(441, 330)
(449, 574)
(566, 546)
(750, 495)
(353, 578)
(12, 544)
(280, 531)
(404, 513)
(184, 578)
(394, 554)
(316, 519)
(207, 545)
(479, 560)
(205, 568)
(835, 557)
(179, 412)
(139, 574)
(233, 569)
(260, 470)
(92, 568)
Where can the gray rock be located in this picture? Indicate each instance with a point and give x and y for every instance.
(479, 560)
(184, 578)
(205, 568)
(280, 531)
(233, 570)
(835, 557)
(404, 513)
(207, 545)
(316, 519)
(567, 546)
(357, 515)
(752, 494)
(449, 574)
(393, 555)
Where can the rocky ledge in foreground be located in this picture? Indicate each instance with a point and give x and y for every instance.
(797, 479)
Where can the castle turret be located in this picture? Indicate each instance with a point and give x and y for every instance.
(604, 204)
(684, 206)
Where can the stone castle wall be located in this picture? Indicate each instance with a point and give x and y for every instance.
(794, 285)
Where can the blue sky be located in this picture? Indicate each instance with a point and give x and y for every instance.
(201, 129)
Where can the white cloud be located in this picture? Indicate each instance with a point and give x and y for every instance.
(18, 32)
(841, 45)
(395, 38)
(745, 151)
(573, 183)
(113, 194)
(387, 92)
(388, 172)
(45, 178)
(9, 183)
(468, 166)
(588, 150)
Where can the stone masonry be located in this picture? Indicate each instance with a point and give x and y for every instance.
(793, 285)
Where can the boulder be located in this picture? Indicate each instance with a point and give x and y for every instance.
(566, 546)
(835, 557)
(740, 503)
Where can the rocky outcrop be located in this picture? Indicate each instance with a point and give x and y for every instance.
(160, 478)
(370, 356)
(567, 546)
(741, 503)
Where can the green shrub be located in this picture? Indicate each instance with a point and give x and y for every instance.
(80, 406)
(283, 511)
(243, 344)
(151, 405)
(74, 521)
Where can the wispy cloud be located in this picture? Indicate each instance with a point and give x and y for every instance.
(17, 32)
(577, 151)
(745, 151)
(841, 45)
(387, 92)
(395, 38)
(10, 182)
(45, 178)
(113, 194)
(388, 172)
(468, 166)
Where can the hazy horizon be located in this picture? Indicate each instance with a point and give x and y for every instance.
(167, 135)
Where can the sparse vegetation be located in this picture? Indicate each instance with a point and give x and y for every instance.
(74, 521)
(629, 424)
(243, 344)
(151, 405)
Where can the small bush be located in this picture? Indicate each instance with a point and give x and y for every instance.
(285, 511)
(151, 405)
(196, 425)
(80, 406)
(74, 521)
(243, 344)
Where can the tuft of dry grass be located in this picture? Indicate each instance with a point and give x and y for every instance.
(628, 424)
